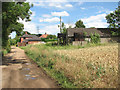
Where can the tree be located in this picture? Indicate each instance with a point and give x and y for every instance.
(70, 26)
(95, 38)
(11, 13)
(63, 28)
(14, 40)
(114, 19)
(79, 24)
(92, 27)
(51, 37)
(23, 32)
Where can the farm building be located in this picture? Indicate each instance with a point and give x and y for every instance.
(81, 36)
(28, 39)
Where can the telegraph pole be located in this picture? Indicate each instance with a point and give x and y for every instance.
(60, 25)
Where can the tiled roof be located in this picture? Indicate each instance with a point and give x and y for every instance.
(34, 39)
(100, 31)
(32, 36)
(44, 36)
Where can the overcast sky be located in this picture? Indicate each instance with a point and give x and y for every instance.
(46, 15)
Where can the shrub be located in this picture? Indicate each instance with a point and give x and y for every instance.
(43, 39)
(48, 40)
(95, 38)
(4, 52)
(6, 49)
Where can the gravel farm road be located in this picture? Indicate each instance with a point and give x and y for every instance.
(18, 71)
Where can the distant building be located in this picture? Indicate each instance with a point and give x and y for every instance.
(77, 36)
(44, 35)
(28, 39)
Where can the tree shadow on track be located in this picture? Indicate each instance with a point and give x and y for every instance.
(9, 60)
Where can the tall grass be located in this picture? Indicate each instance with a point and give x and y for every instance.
(77, 66)
(44, 57)
(59, 47)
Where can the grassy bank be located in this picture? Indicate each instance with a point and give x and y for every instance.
(77, 66)
(46, 59)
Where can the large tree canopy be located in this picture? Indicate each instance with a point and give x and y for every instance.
(11, 13)
(79, 24)
(114, 18)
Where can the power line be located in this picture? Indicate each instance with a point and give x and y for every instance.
(38, 29)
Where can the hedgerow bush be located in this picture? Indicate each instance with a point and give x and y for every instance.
(95, 38)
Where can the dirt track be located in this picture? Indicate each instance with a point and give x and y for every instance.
(20, 72)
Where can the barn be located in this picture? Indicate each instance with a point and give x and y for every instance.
(81, 36)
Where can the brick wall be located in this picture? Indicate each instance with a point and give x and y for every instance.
(21, 40)
(112, 39)
(102, 40)
(33, 42)
(21, 44)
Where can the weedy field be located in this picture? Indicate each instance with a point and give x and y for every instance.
(78, 67)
